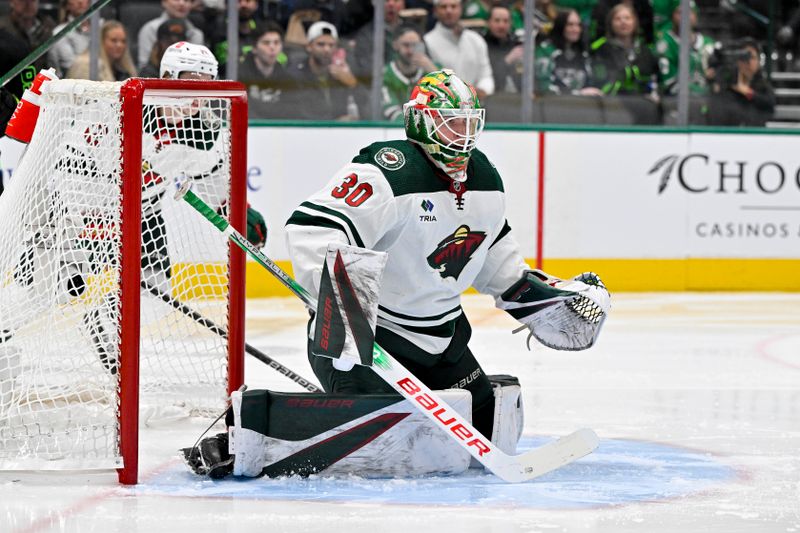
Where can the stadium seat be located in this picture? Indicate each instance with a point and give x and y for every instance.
(568, 109)
(506, 107)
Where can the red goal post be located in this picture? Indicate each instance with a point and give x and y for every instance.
(98, 260)
(132, 95)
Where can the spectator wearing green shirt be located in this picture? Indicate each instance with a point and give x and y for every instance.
(668, 49)
(401, 74)
(662, 14)
(476, 9)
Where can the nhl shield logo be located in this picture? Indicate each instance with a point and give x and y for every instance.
(454, 251)
(390, 158)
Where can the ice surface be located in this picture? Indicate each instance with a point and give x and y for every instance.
(696, 398)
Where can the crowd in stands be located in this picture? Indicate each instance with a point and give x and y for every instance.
(313, 59)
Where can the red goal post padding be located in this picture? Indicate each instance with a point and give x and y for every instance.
(132, 95)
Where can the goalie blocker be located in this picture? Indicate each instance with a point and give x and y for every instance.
(277, 434)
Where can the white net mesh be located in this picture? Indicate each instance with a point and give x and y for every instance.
(60, 272)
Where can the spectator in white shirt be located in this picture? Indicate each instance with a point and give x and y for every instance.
(73, 44)
(463, 50)
(173, 9)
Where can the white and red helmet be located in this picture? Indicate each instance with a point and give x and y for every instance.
(188, 57)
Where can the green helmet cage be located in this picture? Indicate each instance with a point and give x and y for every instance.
(446, 118)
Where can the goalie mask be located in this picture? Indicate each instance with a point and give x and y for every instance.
(446, 119)
(187, 57)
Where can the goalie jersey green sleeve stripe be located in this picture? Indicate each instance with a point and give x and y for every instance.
(343, 223)
(444, 331)
(304, 219)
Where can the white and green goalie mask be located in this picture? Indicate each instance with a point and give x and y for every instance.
(446, 119)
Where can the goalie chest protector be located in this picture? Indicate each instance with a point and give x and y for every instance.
(438, 241)
(441, 236)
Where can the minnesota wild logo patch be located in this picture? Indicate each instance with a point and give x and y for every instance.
(390, 158)
(454, 251)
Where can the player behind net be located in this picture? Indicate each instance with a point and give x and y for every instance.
(69, 232)
(183, 139)
(435, 205)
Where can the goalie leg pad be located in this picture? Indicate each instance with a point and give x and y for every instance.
(509, 415)
(369, 435)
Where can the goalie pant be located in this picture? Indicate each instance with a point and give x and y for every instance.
(455, 368)
(372, 435)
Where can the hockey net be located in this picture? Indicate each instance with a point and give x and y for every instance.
(103, 275)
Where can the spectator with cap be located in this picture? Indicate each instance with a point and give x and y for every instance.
(173, 9)
(321, 85)
(170, 31)
(264, 72)
(455, 47)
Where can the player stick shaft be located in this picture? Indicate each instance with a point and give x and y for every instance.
(222, 332)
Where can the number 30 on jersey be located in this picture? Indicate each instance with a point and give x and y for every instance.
(353, 192)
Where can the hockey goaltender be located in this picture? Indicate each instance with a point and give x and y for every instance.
(421, 220)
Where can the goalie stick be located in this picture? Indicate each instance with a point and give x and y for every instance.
(102, 340)
(510, 468)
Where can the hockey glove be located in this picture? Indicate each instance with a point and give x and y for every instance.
(561, 314)
(256, 228)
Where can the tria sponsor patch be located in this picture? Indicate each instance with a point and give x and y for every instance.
(390, 158)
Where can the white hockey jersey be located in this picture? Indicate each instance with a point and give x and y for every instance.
(441, 237)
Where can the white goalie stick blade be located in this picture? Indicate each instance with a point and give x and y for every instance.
(553, 455)
(511, 468)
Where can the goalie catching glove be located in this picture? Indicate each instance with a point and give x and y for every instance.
(561, 314)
